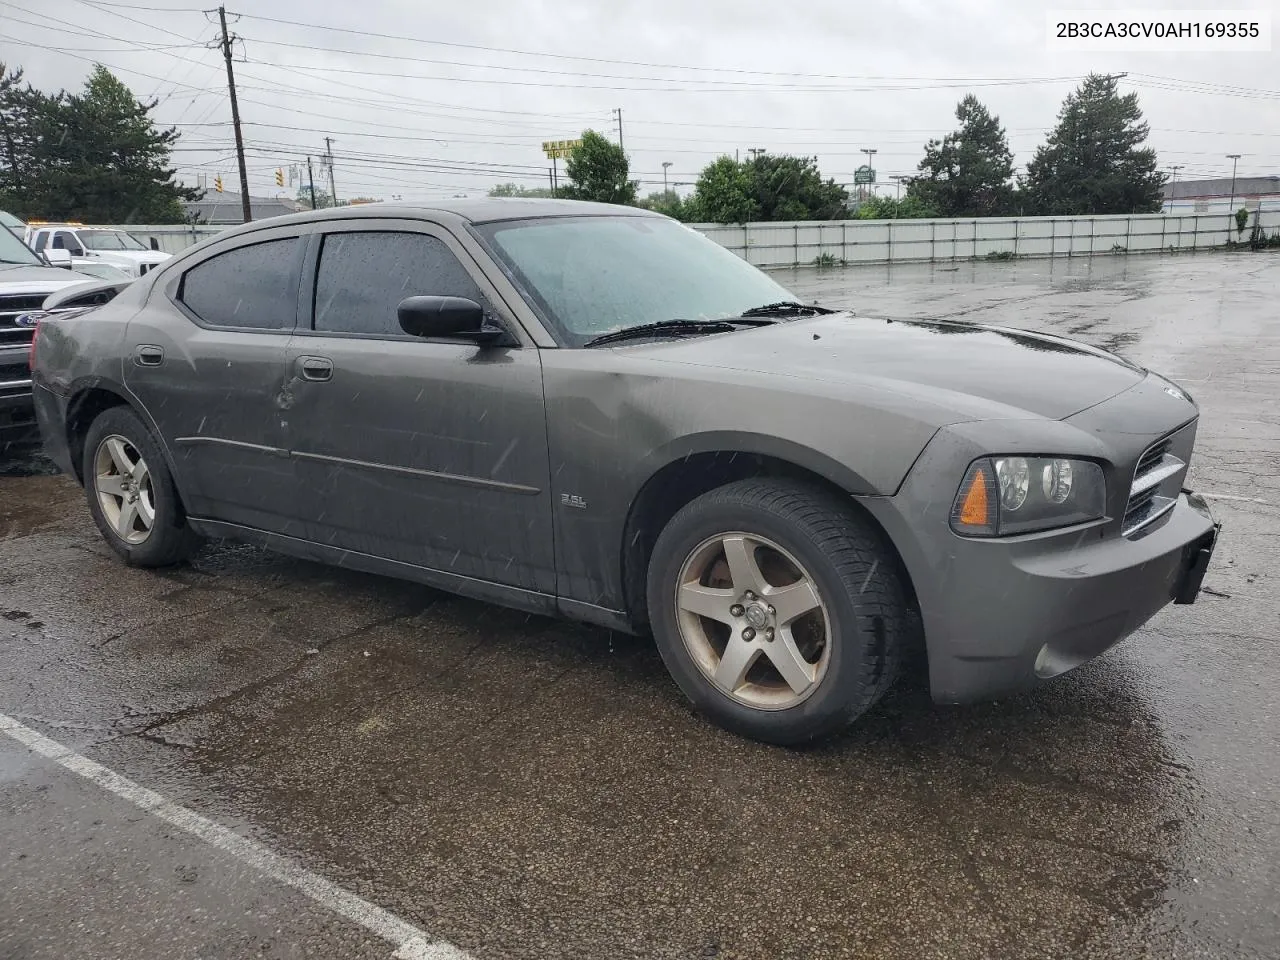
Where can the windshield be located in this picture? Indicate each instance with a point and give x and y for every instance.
(109, 240)
(594, 275)
(13, 250)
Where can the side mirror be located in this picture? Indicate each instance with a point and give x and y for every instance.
(58, 258)
(446, 317)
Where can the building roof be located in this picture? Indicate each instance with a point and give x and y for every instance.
(1221, 187)
(225, 207)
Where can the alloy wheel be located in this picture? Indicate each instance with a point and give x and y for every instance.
(122, 482)
(753, 620)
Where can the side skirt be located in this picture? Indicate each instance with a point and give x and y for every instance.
(529, 601)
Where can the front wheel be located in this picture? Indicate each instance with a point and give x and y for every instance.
(131, 494)
(778, 611)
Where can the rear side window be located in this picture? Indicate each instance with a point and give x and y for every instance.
(254, 286)
(41, 240)
(363, 276)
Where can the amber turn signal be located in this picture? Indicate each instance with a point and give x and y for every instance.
(974, 511)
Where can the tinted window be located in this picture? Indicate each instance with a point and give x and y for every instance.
(363, 277)
(41, 240)
(253, 286)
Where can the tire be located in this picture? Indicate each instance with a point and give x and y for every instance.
(116, 438)
(786, 528)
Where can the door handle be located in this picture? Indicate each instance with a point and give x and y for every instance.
(148, 355)
(314, 368)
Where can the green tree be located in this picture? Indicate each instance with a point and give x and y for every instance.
(766, 188)
(969, 172)
(890, 208)
(94, 156)
(1093, 161)
(323, 199)
(515, 190)
(668, 203)
(723, 193)
(791, 188)
(21, 109)
(598, 170)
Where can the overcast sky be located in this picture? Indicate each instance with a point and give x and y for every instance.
(422, 104)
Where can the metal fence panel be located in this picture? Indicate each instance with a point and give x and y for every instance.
(893, 241)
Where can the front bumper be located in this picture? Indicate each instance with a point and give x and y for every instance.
(1002, 616)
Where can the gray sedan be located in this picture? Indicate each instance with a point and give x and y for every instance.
(594, 411)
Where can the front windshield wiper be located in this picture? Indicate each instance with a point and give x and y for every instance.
(662, 328)
(784, 308)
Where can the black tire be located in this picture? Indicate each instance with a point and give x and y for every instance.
(857, 577)
(170, 540)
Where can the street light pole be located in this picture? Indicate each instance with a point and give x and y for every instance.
(665, 188)
(1234, 158)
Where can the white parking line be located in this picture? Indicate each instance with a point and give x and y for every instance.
(410, 942)
(1229, 496)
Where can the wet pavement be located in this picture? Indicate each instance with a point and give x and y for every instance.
(522, 787)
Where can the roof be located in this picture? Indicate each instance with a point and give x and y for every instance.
(1221, 187)
(484, 210)
(226, 207)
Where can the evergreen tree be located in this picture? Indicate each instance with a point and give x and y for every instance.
(968, 173)
(1092, 162)
(94, 156)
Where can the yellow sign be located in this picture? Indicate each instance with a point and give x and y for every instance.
(559, 149)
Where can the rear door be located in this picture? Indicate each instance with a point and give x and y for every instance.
(206, 357)
(430, 452)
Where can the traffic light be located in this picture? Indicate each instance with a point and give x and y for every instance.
(217, 183)
(279, 178)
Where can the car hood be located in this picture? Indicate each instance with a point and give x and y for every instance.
(18, 280)
(945, 363)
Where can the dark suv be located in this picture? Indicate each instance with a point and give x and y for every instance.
(596, 411)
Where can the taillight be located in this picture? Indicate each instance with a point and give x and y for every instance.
(31, 352)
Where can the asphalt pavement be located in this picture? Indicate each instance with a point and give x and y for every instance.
(321, 747)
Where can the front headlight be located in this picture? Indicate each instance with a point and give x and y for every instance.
(1001, 496)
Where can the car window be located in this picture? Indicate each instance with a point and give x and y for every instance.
(110, 240)
(42, 239)
(253, 286)
(594, 275)
(363, 276)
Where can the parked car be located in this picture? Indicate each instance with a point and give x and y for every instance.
(26, 281)
(112, 246)
(595, 411)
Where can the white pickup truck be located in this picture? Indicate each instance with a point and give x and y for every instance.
(109, 245)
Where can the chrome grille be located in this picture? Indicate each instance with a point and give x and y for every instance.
(10, 308)
(1157, 478)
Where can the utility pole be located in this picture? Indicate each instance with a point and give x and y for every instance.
(328, 149)
(1173, 185)
(618, 113)
(665, 188)
(898, 178)
(235, 117)
(311, 182)
(1234, 158)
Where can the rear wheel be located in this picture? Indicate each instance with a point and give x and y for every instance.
(778, 611)
(131, 493)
